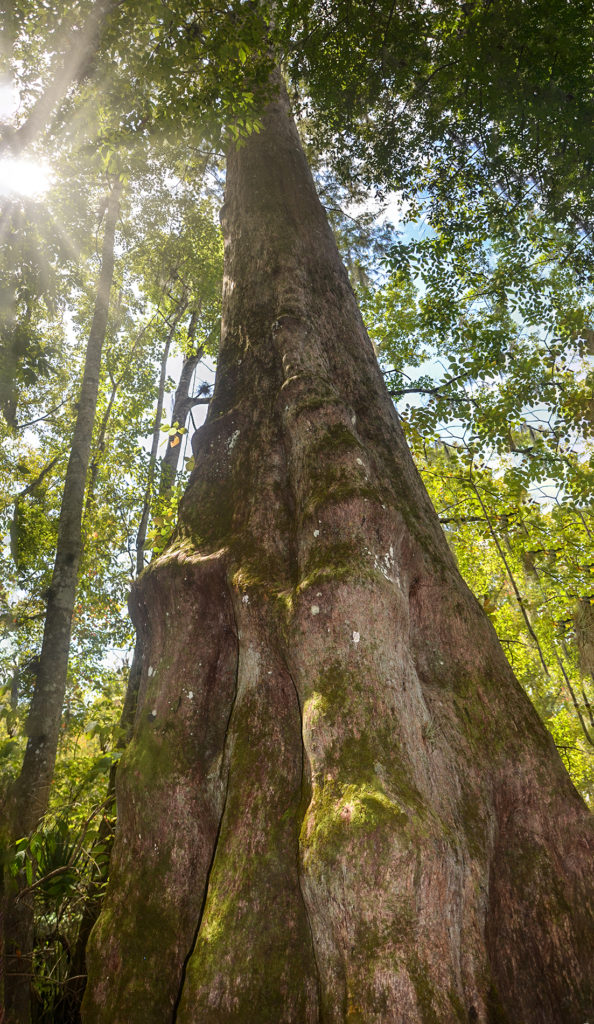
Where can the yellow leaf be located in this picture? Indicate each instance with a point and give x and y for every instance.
(174, 441)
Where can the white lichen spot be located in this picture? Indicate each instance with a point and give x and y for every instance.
(246, 599)
(360, 462)
(150, 671)
(316, 533)
(356, 637)
(154, 712)
(233, 440)
(353, 420)
(315, 610)
(190, 695)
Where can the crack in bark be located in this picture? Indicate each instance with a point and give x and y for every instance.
(217, 836)
(299, 873)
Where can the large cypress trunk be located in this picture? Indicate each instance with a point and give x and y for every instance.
(338, 803)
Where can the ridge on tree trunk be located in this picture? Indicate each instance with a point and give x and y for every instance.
(338, 803)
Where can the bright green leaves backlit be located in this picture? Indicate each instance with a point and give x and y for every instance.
(531, 566)
(502, 314)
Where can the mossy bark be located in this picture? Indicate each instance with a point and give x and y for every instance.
(358, 815)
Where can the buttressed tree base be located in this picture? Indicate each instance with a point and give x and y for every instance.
(338, 804)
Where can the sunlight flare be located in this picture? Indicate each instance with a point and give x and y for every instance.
(20, 176)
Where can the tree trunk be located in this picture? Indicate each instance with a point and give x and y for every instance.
(182, 406)
(338, 803)
(150, 479)
(76, 983)
(29, 795)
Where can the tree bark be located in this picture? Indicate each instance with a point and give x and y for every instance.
(29, 795)
(182, 406)
(338, 803)
(150, 480)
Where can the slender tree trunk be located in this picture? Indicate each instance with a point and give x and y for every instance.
(338, 804)
(28, 798)
(182, 406)
(150, 480)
